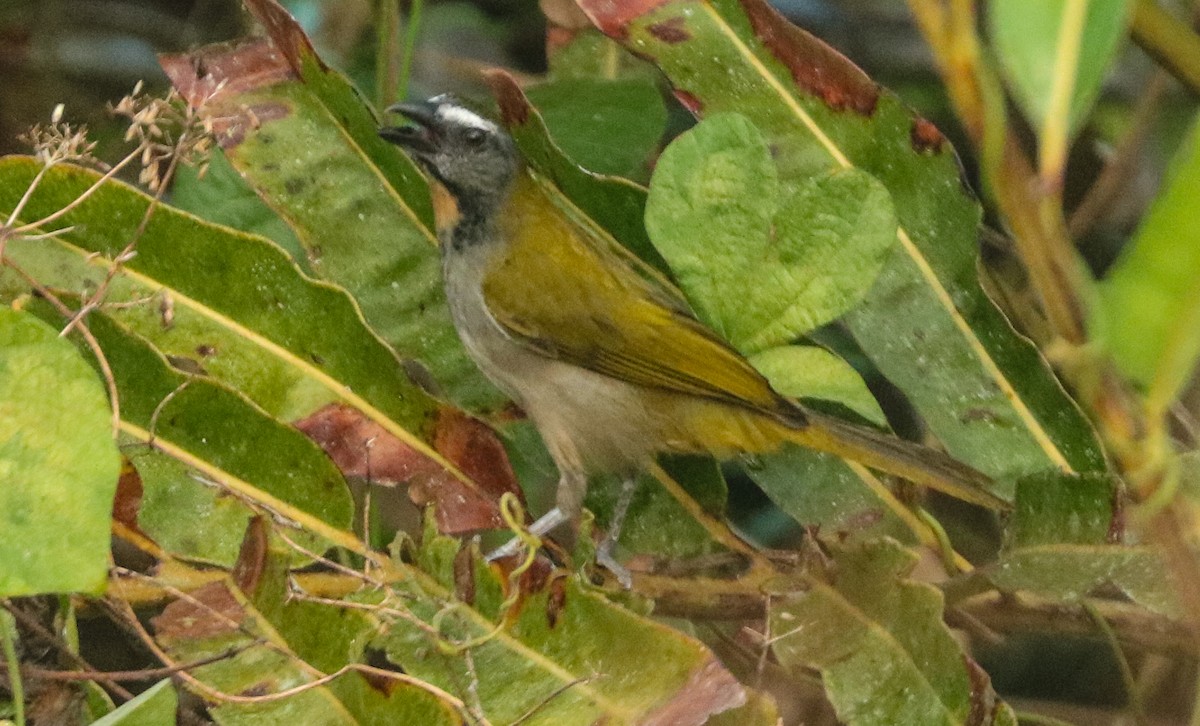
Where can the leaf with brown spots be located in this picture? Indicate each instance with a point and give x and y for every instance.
(269, 97)
(263, 658)
(361, 447)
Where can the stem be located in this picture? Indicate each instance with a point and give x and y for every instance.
(1169, 41)
(387, 52)
(410, 45)
(1056, 126)
(1120, 169)
(1132, 695)
(1133, 626)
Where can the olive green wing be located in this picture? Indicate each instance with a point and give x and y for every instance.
(568, 297)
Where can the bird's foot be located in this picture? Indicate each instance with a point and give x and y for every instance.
(544, 524)
(605, 559)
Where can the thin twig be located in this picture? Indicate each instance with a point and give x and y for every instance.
(96, 185)
(553, 695)
(1133, 697)
(1169, 41)
(111, 677)
(128, 251)
(1119, 169)
(158, 409)
(33, 185)
(32, 625)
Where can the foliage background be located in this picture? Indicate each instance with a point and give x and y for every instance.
(87, 54)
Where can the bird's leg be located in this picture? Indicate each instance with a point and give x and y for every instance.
(604, 554)
(542, 526)
(568, 504)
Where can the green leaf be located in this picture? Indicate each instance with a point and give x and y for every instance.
(188, 520)
(983, 390)
(222, 196)
(1053, 47)
(58, 463)
(760, 265)
(1070, 572)
(1052, 507)
(820, 490)
(154, 706)
(240, 310)
(1150, 320)
(266, 664)
(220, 435)
(878, 640)
(805, 371)
(306, 141)
(607, 127)
(566, 655)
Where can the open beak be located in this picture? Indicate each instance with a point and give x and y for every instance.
(419, 137)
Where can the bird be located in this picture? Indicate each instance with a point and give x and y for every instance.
(604, 356)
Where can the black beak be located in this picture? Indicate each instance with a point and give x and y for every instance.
(421, 136)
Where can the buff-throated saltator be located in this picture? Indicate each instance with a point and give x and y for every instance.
(609, 364)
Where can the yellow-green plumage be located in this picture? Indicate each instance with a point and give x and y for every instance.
(603, 315)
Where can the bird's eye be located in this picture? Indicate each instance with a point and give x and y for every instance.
(474, 136)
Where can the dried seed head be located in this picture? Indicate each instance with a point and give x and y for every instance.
(58, 142)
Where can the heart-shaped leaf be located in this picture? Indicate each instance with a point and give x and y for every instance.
(763, 263)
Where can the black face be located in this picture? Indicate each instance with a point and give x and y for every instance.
(471, 155)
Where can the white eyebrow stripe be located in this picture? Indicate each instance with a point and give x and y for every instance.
(463, 117)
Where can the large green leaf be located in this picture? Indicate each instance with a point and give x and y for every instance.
(1057, 53)
(927, 325)
(1150, 312)
(760, 262)
(308, 144)
(219, 302)
(879, 642)
(58, 463)
(607, 126)
(240, 309)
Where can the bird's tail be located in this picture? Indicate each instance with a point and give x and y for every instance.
(919, 464)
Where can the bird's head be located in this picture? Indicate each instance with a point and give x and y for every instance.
(472, 156)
